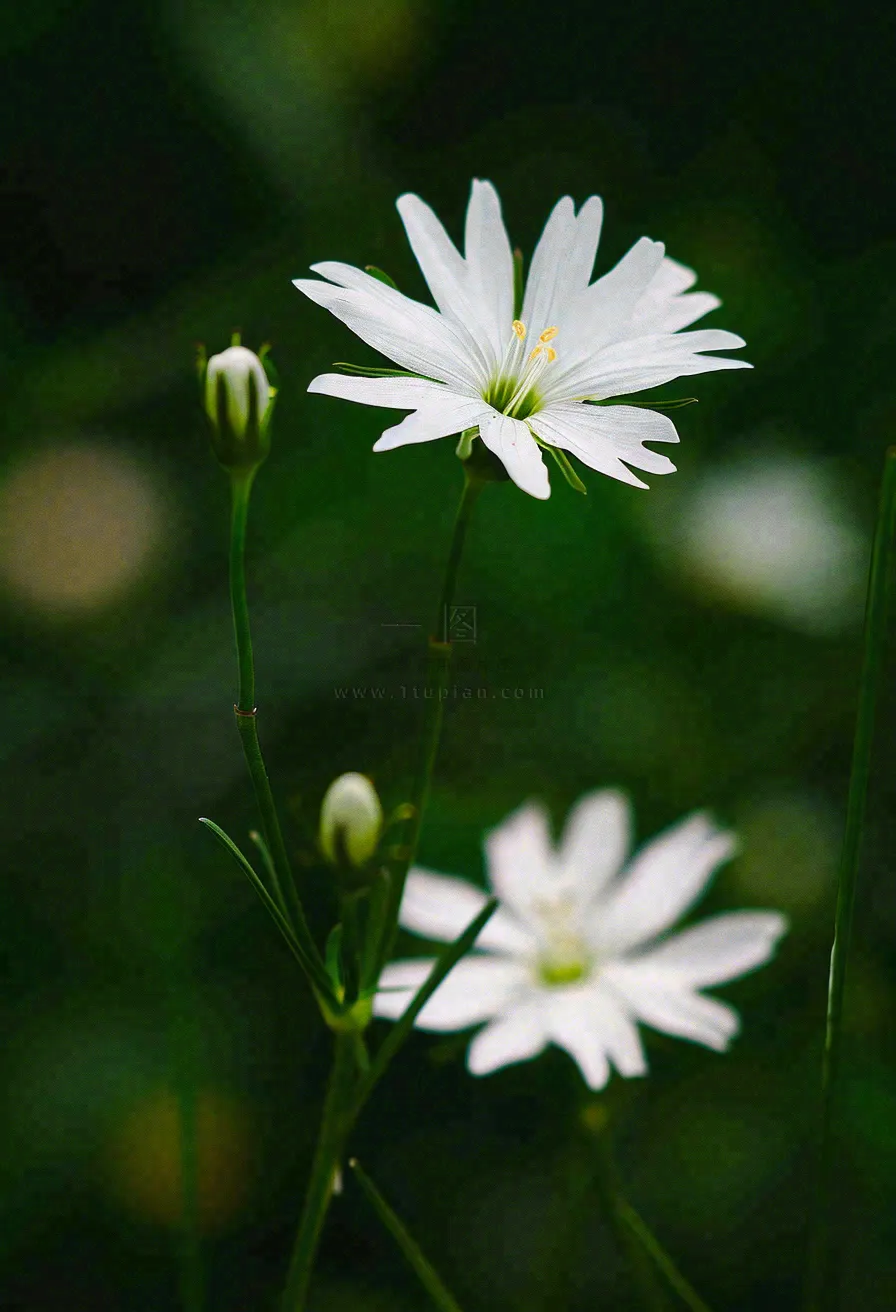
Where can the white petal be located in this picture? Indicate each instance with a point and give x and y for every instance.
(604, 436)
(594, 1026)
(516, 448)
(546, 278)
(673, 1010)
(475, 990)
(490, 263)
(573, 1025)
(446, 273)
(662, 307)
(600, 314)
(441, 907)
(632, 366)
(392, 393)
(595, 842)
(718, 950)
(521, 862)
(413, 335)
(448, 414)
(441, 263)
(666, 876)
(516, 1036)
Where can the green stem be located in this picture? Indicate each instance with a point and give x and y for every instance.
(607, 1180)
(246, 720)
(334, 1129)
(823, 1250)
(183, 1044)
(661, 1259)
(438, 665)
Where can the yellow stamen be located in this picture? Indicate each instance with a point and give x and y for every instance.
(520, 329)
(551, 354)
(549, 334)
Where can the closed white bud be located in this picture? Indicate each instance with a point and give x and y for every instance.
(351, 820)
(241, 371)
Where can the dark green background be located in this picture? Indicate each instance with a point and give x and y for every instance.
(168, 169)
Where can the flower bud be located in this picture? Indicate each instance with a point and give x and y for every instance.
(238, 401)
(351, 820)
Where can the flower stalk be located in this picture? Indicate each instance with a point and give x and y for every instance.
(283, 886)
(352, 1079)
(821, 1282)
(438, 665)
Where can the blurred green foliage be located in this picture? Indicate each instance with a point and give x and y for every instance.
(169, 167)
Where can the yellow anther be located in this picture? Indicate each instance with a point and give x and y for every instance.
(549, 334)
(551, 354)
(520, 329)
(536, 352)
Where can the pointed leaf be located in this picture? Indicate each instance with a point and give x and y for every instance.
(417, 1260)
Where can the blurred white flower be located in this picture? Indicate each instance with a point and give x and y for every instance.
(773, 535)
(573, 955)
(529, 383)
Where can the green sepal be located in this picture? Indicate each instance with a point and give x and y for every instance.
(517, 283)
(381, 276)
(483, 465)
(566, 468)
(465, 443)
(650, 405)
(372, 371)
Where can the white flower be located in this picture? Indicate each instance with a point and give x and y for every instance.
(526, 383)
(572, 955)
(351, 819)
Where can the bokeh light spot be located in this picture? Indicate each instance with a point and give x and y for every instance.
(145, 1158)
(79, 524)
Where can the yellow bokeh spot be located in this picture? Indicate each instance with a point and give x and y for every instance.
(144, 1159)
(79, 523)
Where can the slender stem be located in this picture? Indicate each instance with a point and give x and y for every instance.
(607, 1180)
(335, 1125)
(438, 664)
(343, 1103)
(245, 711)
(183, 1046)
(661, 1259)
(823, 1250)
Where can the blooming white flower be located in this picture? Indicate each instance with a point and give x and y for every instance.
(573, 955)
(529, 383)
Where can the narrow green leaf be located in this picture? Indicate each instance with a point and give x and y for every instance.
(270, 869)
(315, 972)
(567, 470)
(332, 956)
(417, 1260)
(658, 1255)
(381, 276)
(444, 963)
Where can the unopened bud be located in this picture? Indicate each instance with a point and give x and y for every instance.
(238, 401)
(351, 820)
